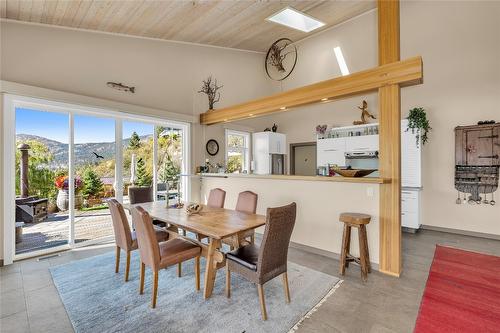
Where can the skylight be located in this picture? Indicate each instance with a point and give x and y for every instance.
(294, 19)
(341, 61)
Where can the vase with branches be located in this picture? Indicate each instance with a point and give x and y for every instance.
(210, 87)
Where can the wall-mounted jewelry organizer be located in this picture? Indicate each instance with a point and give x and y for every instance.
(477, 163)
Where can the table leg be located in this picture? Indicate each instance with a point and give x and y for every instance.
(211, 267)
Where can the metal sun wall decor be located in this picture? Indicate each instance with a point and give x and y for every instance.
(210, 87)
(281, 59)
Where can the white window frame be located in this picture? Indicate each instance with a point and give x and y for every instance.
(245, 151)
(11, 102)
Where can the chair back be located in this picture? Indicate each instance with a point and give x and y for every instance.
(149, 249)
(140, 194)
(274, 247)
(123, 237)
(216, 198)
(247, 202)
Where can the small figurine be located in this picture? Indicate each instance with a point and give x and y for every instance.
(275, 128)
(364, 115)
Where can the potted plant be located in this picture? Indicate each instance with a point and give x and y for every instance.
(61, 183)
(419, 124)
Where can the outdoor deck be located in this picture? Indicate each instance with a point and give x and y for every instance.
(89, 225)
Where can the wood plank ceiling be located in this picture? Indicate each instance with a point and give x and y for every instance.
(227, 23)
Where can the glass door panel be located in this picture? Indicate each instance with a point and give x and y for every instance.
(94, 165)
(137, 155)
(41, 164)
(169, 163)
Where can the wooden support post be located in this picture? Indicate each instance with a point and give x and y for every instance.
(390, 142)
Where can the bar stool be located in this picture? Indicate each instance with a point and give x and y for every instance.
(359, 221)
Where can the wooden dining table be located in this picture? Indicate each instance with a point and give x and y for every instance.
(215, 224)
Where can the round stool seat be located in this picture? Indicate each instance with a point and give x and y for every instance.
(355, 218)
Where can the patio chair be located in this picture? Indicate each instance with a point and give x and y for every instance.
(158, 256)
(264, 263)
(124, 238)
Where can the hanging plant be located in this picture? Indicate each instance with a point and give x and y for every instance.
(419, 124)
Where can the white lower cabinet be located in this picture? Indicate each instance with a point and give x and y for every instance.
(410, 208)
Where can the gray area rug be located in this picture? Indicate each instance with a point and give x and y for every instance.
(98, 300)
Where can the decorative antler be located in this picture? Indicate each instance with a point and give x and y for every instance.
(210, 88)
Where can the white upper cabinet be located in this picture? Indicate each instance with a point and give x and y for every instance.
(331, 151)
(269, 142)
(362, 143)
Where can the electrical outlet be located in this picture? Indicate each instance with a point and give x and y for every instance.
(369, 191)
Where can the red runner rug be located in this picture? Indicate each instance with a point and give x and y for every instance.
(462, 293)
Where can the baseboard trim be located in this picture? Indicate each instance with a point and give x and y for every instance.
(461, 232)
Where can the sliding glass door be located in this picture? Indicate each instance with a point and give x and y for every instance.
(41, 180)
(94, 170)
(62, 162)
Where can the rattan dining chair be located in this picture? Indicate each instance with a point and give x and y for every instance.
(264, 263)
(160, 255)
(125, 239)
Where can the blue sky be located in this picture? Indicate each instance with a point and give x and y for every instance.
(54, 126)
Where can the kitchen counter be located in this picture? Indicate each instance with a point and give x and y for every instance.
(339, 179)
(319, 204)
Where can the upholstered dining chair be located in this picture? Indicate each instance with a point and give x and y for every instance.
(125, 239)
(142, 194)
(216, 198)
(247, 203)
(261, 264)
(160, 255)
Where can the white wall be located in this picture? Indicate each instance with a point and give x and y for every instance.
(460, 46)
(166, 75)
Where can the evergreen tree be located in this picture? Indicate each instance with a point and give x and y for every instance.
(135, 141)
(92, 183)
(143, 177)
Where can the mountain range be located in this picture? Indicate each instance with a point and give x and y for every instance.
(84, 152)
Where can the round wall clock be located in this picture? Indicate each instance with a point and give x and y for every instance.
(212, 147)
(281, 59)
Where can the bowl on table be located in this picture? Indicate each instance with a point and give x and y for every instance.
(354, 172)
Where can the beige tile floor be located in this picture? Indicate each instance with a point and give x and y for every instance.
(30, 302)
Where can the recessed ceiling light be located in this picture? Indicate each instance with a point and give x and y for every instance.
(283, 108)
(324, 99)
(340, 59)
(294, 19)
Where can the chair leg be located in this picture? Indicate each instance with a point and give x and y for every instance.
(252, 239)
(184, 232)
(285, 286)
(141, 282)
(260, 289)
(117, 263)
(197, 272)
(155, 289)
(228, 280)
(127, 267)
(179, 269)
